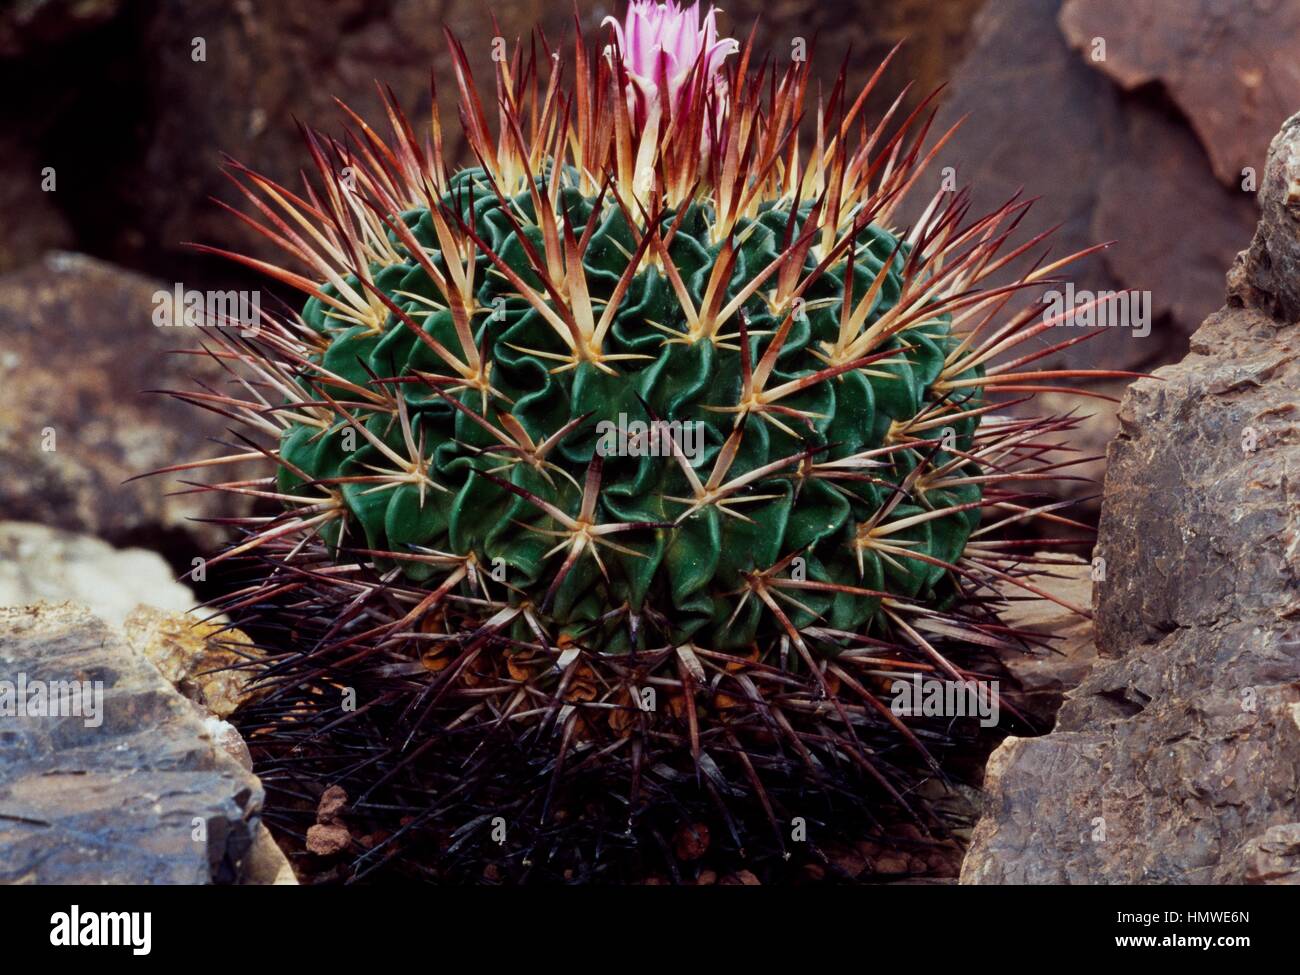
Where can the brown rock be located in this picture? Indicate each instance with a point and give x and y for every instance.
(269, 64)
(266, 65)
(1175, 227)
(1230, 68)
(333, 802)
(326, 839)
(1101, 164)
(892, 864)
(77, 350)
(1011, 41)
(1274, 856)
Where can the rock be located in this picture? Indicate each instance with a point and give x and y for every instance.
(132, 791)
(42, 563)
(1274, 856)
(227, 737)
(206, 662)
(893, 863)
(1228, 67)
(333, 803)
(1175, 228)
(1047, 675)
(1155, 773)
(330, 834)
(1267, 276)
(1013, 40)
(77, 351)
(326, 839)
(1105, 165)
(1195, 529)
(1178, 760)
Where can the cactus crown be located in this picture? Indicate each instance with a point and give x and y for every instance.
(656, 394)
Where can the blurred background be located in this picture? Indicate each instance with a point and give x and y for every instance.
(1140, 121)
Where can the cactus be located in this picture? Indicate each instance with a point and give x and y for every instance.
(650, 441)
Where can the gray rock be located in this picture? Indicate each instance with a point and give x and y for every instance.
(1178, 759)
(1156, 773)
(1267, 276)
(142, 796)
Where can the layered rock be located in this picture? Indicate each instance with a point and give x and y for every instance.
(1178, 760)
(129, 787)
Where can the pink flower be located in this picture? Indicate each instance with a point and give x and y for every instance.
(661, 45)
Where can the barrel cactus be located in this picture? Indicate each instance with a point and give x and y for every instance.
(625, 469)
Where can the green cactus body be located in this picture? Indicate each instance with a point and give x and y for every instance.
(684, 576)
